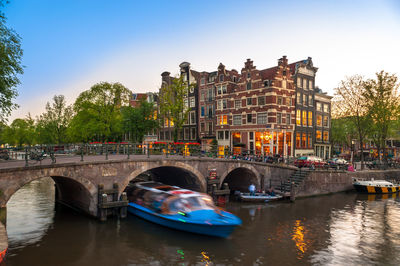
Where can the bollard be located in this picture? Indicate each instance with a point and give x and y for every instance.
(26, 156)
(103, 212)
(82, 153)
(106, 151)
(148, 150)
(128, 151)
(213, 189)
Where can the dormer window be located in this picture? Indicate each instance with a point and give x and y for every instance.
(284, 73)
(203, 81)
(234, 79)
(266, 83)
(221, 78)
(248, 75)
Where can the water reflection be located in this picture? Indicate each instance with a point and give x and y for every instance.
(28, 222)
(341, 229)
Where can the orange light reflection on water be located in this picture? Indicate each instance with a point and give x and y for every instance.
(299, 232)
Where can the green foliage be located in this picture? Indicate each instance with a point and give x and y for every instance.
(383, 103)
(343, 131)
(10, 66)
(53, 124)
(139, 121)
(21, 131)
(98, 115)
(172, 105)
(350, 103)
(214, 147)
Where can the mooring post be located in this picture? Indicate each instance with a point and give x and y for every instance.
(123, 210)
(82, 152)
(213, 189)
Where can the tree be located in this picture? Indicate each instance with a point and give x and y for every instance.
(139, 121)
(53, 124)
(21, 131)
(214, 147)
(342, 132)
(383, 104)
(98, 115)
(350, 102)
(10, 66)
(173, 109)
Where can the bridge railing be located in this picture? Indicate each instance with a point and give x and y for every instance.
(48, 153)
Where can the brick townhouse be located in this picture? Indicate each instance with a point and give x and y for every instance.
(255, 109)
(267, 111)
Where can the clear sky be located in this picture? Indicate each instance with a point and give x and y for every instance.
(71, 45)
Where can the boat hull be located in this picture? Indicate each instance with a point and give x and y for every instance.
(258, 198)
(183, 224)
(376, 189)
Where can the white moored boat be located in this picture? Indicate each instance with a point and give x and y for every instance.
(375, 186)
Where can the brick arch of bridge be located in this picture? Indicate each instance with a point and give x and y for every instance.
(65, 180)
(236, 166)
(175, 164)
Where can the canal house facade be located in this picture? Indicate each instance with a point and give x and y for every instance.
(189, 131)
(322, 147)
(304, 79)
(255, 111)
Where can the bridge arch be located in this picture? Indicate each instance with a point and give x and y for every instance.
(179, 167)
(73, 190)
(240, 175)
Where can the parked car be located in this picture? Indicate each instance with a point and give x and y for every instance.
(337, 163)
(310, 161)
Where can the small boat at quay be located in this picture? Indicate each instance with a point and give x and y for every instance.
(180, 209)
(375, 186)
(258, 197)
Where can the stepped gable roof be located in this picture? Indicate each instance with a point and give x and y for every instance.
(268, 73)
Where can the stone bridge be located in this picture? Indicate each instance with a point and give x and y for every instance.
(77, 182)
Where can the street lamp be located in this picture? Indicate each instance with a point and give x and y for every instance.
(352, 151)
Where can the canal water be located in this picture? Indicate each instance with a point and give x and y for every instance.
(339, 229)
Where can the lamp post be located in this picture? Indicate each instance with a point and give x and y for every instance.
(352, 151)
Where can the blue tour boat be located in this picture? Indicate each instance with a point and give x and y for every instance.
(180, 209)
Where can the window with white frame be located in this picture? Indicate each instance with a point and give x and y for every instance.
(279, 118)
(192, 118)
(262, 118)
(238, 103)
(192, 102)
(224, 89)
(261, 100)
(237, 120)
(249, 101)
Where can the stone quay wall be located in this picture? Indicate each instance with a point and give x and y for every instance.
(326, 182)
